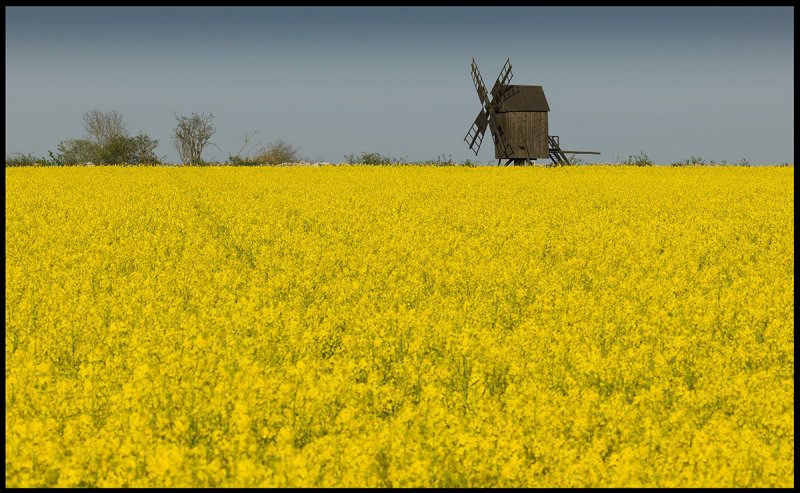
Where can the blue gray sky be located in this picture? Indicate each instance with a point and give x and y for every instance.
(672, 82)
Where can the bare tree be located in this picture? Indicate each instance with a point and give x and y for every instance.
(192, 136)
(102, 127)
(247, 160)
(247, 138)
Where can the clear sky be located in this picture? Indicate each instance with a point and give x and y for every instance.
(671, 82)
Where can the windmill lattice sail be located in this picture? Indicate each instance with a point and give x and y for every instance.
(488, 114)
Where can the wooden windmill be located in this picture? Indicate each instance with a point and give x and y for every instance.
(517, 118)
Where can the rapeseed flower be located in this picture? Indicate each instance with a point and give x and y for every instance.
(409, 326)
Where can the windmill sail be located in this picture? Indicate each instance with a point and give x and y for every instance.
(491, 103)
(475, 134)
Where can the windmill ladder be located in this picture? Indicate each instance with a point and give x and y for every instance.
(556, 154)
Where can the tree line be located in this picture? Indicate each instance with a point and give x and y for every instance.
(107, 141)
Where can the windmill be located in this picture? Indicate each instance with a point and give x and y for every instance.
(517, 118)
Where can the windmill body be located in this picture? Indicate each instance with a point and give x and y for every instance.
(523, 118)
(516, 115)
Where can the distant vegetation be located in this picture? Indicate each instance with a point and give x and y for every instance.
(376, 159)
(107, 142)
(698, 161)
(191, 136)
(373, 158)
(275, 153)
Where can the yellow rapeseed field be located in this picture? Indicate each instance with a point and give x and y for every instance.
(400, 326)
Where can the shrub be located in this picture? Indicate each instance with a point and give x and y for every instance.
(117, 150)
(641, 160)
(373, 158)
(20, 159)
(247, 160)
(277, 152)
(239, 161)
(576, 161)
(142, 149)
(441, 161)
(75, 151)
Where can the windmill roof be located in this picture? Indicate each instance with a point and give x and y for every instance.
(523, 98)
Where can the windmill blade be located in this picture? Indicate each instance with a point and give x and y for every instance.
(475, 134)
(499, 135)
(477, 80)
(502, 81)
(487, 115)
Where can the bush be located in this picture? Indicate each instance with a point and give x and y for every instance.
(373, 159)
(692, 161)
(238, 161)
(75, 151)
(441, 161)
(142, 149)
(641, 160)
(109, 144)
(278, 152)
(247, 160)
(20, 159)
(578, 161)
(115, 150)
(376, 159)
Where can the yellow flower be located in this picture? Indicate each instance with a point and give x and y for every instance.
(400, 326)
